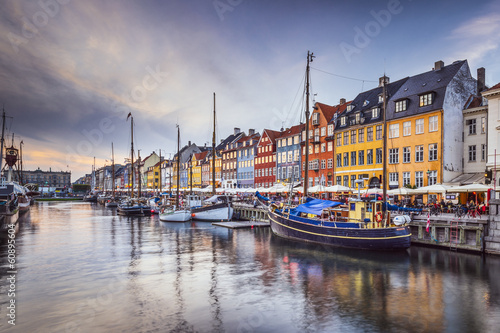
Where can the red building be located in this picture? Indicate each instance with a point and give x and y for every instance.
(265, 160)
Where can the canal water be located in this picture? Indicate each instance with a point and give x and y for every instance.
(81, 268)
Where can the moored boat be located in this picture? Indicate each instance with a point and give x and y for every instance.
(316, 221)
(9, 208)
(216, 208)
(134, 208)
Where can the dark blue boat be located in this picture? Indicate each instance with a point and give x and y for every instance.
(314, 222)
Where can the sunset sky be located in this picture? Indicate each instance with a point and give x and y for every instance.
(71, 70)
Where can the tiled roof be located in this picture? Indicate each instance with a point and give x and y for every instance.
(272, 134)
(338, 109)
(292, 130)
(473, 102)
(496, 86)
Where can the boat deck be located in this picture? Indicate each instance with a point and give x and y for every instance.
(242, 224)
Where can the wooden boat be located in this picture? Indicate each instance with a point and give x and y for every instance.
(366, 225)
(217, 208)
(9, 208)
(134, 208)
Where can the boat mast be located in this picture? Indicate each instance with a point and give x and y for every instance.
(131, 155)
(213, 154)
(139, 173)
(21, 162)
(159, 186)
(384, 152)
(178, 167)
(93, 176)
(2, 139)
(112, 170)
(191, 175)
(306, 172)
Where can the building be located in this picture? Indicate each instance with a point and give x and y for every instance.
(197, 162)
(288, 155)
(229, 160)
(45, 178)
(246, 152)
(492, 96)
(358, 138)
(265, 160)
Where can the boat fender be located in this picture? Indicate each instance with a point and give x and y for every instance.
(378, 217)
(162, 210)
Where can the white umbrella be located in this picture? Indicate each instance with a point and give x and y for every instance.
(316, 189)
(472, 188)
(401, 191)
(436, 188)
(338, 188)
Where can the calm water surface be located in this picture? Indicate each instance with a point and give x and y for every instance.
(81, 268)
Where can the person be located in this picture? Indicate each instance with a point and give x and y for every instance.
(254, 203)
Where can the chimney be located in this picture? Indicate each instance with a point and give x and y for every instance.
(381, 81)
(189, 143)
(237, 131)
(438, 65)
(342, 101)
(251, 131)
(481, 79)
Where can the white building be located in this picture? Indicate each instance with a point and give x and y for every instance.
(493, 143)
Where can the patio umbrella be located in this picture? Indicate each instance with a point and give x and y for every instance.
(401, 191)
(338, 188)
(436, 188)
(472, 188)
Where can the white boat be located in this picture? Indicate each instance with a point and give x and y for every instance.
(217, 208)
(172, 215)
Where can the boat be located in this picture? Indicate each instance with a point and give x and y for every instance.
(176, 213)
(133, 206)
(217, 208)
(9, 208)
(362, 224)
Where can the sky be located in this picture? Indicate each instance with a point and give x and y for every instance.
(72, 70)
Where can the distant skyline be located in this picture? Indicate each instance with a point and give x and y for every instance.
(71, 71)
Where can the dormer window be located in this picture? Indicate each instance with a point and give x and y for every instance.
(375, 113)
(350, 107)
(343, 121)
(426, 99)
(358, 116)
(380, 98)
(401, 105)
(366, 102)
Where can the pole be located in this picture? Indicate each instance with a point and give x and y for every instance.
(178, 167)
(191, 175)
(159, 185)
(2, 140)
(139, 173)
(306, 171)
(494, 177)
(112, 170)
(21, 181)
(213, 155)
(384, 152)
(132, 156)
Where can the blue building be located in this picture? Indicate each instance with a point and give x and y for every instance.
(288, 154)
(246, 151)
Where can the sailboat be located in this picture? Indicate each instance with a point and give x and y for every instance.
(92, 195)
(176, 214)
(366, 225)
(218, 207)
(133, 207)
(113, 201)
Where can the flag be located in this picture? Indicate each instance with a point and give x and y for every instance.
(129, 115)
(428, 221)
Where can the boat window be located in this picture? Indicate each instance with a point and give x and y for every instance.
(353, 206)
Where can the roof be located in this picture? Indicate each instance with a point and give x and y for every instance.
(435, 81)
(337, 109)
(201, 156)
(272, 135)
(294, 130)
(473, 102)
(495, 87)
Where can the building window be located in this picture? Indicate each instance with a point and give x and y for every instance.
(407, 128)
(375, 113)
(353, 137)
(330, 130)
(471, 123)
(346, 138)
(329, 146)
(433, 152)
(339, 160)
(323, 164)
(339, 180)
(323, 131)
(330, 163)
(361, 135)
(393, 131)
(433, 124)
(419, 153)
(425, 99)
(346, 181)
(339, 139)
(394, 156)
(369, 134)
(357, 117)
(401, 105)
(483, 125)
(419, 126)
(323, 147)
(432, 178)
(419, 178)
(472, 153)
(483, 152)
(378, 157)
(353, 181)
(361, 157)
(406, 155)
(343, 121)
(346, 159)
(406, 178)
(369, 156)
(393, 179)
(353, 158)
(378, 133)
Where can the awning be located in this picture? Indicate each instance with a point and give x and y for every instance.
(469, 178)
(315, 206)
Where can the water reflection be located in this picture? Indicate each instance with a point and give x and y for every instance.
(82, 268)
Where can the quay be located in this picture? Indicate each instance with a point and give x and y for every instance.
(479, 235)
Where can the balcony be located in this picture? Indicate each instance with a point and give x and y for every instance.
(315, 139)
